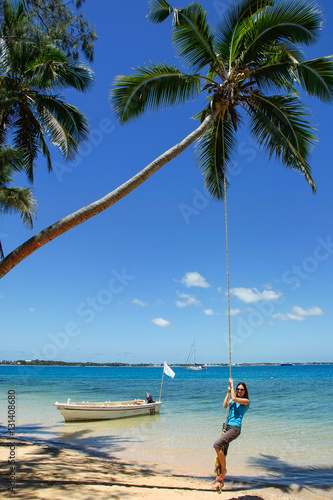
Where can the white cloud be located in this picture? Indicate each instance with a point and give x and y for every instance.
(234, 312)
(299, 314)
(312, 311)
(295, 317)
(160, 322)
(250, 295)
(189, 300)
(139, 302)
(194, 279)
(210, 312)
(31, 309)
(288, 317)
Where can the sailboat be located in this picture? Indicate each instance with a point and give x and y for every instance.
(194, 366)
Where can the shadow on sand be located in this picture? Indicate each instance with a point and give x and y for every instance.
(285, 476)
(49, 467)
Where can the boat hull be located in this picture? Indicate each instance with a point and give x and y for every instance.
(196, 368)
(74, 412)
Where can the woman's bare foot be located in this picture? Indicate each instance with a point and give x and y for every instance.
(217, 486)
(220, 478)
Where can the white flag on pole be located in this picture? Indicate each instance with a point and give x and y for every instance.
(168, 371)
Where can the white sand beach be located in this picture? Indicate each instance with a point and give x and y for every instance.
(50, 473)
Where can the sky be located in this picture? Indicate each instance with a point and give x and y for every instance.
(144, 279)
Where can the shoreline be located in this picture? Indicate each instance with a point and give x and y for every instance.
(48, 472)
(88, 364)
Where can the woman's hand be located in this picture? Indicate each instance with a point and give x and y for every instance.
(231, 382)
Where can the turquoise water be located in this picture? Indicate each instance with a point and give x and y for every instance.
(286, 437)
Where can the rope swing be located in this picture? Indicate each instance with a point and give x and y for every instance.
(227, 253)
(217, 469)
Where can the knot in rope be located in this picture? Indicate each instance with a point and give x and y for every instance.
(175, 19)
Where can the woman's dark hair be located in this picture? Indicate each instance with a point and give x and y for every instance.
(246, 392)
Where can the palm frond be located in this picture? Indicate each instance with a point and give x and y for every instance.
(19, 200)
(75, 75)
(193, 38)
(64, 123)
(68, 115)
(158, 11)
(43, 147)
(11, 161)
(152, 87)
(5, 58)
(25, 131)
(276, 67)
(281, 127)
(316, 77)
(229, 33)
(213, 152)
(52, 69)
(294, 22)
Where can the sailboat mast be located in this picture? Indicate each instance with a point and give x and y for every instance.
(194, 353)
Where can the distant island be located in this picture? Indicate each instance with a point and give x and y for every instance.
(39, 362)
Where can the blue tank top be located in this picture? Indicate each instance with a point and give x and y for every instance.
(236, 413)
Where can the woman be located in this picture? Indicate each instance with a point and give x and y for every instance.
(237, 408)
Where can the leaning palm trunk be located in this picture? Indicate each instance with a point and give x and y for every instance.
(85, 213)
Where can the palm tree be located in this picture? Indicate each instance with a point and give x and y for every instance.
(30, 115)
(32, 72)
(253, 52)
(14, 199)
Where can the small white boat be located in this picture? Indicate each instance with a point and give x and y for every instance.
(195, 366)
(107, 411)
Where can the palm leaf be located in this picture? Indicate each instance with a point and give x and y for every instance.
(193, 38)
(213, 153)
(158, 11)
(5, 57)
(279, 124)
(74, 75)
(152, 87)
(53, 69)
(276, 67)
(11, 160)
(25, 131)
(294, 22)
(19, 200)
(229, 31)
(316, 77)
(66, 114)
(64, 123)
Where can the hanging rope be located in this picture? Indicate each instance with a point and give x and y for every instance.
(227, 253)
(217, 469)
